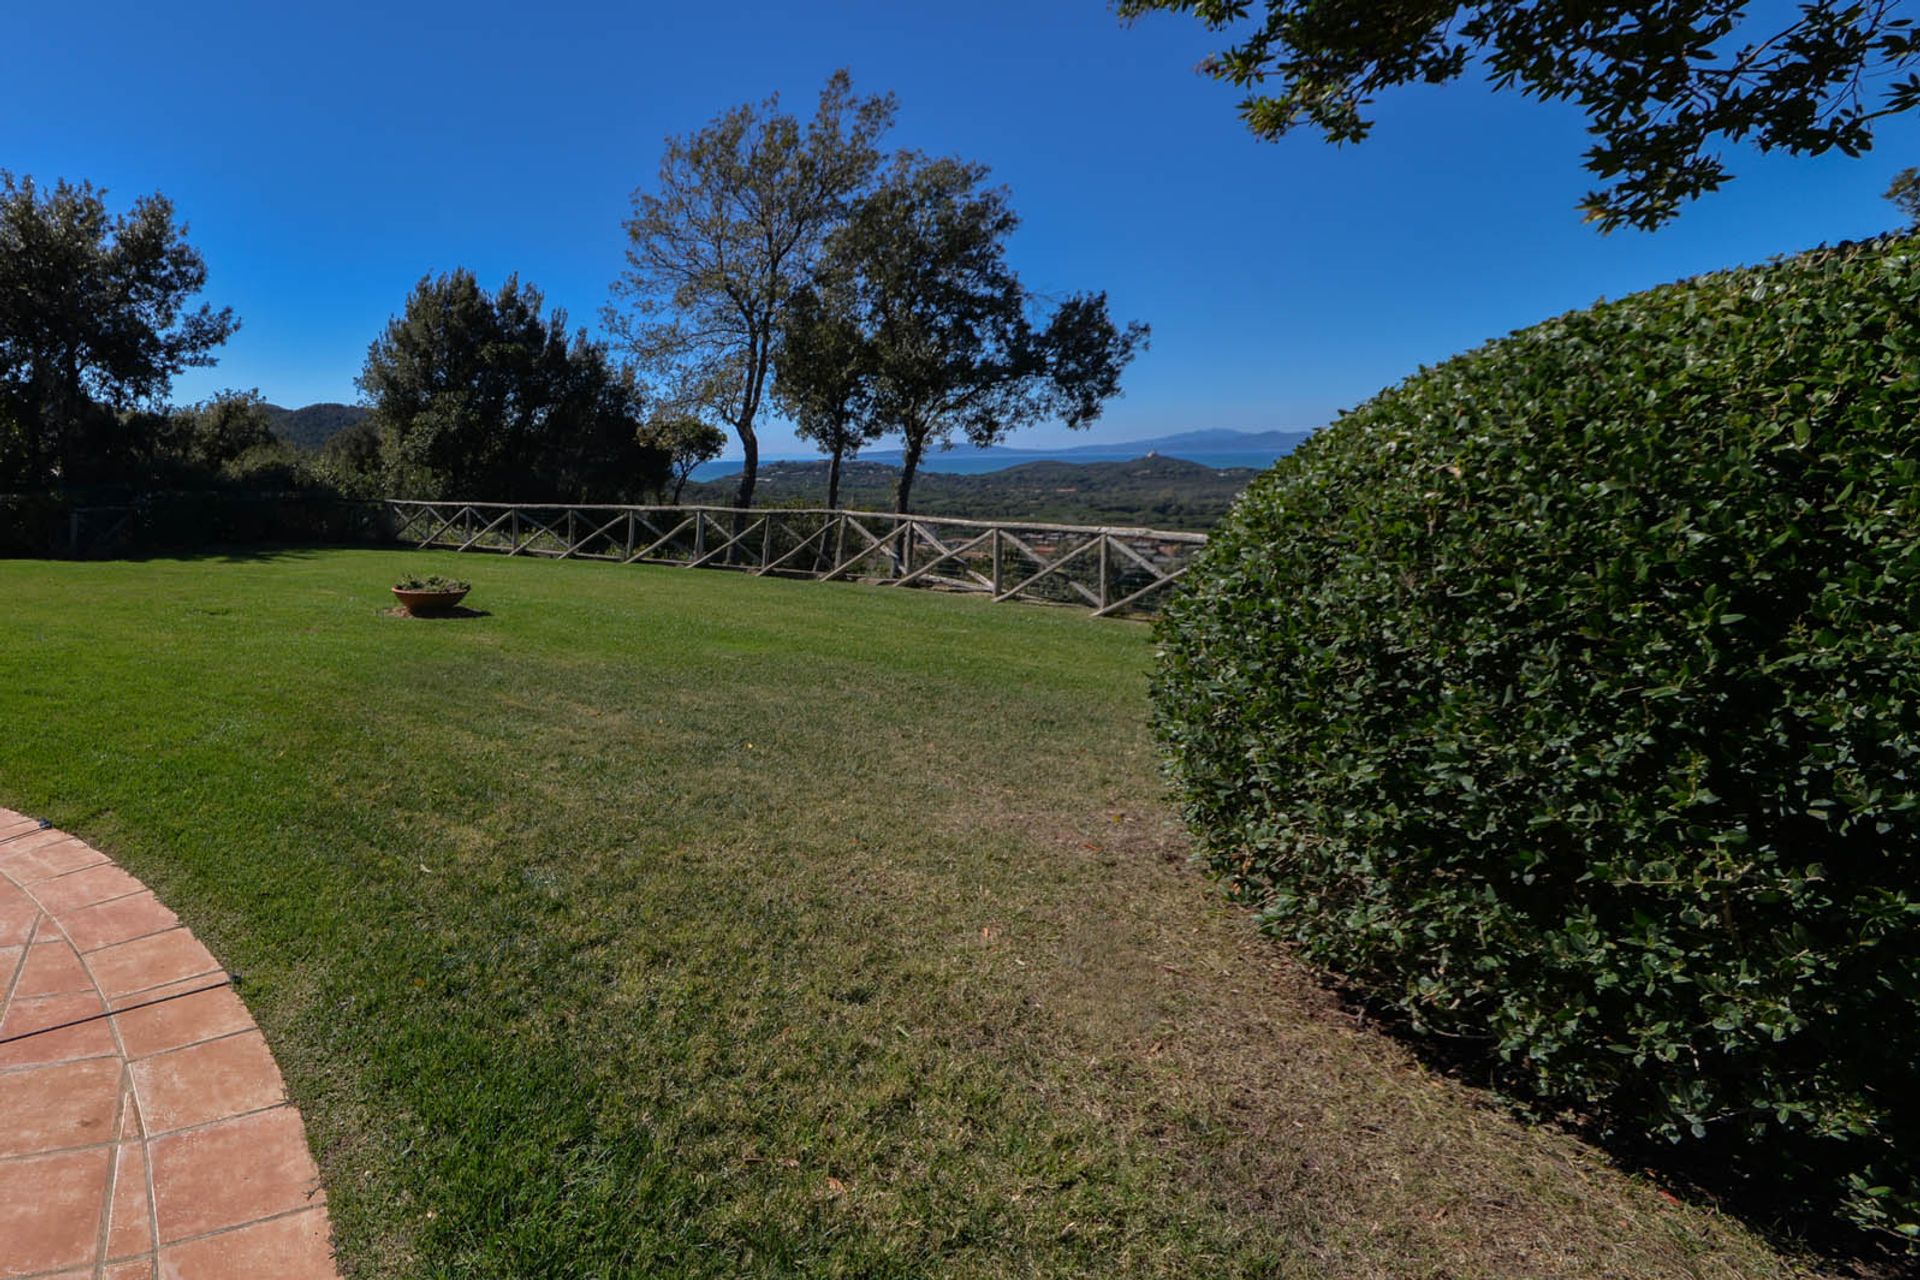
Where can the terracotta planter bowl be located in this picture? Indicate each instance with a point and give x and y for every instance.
(428, 601)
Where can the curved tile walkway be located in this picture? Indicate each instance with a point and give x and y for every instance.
(144, 1130)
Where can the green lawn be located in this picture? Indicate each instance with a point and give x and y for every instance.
(684, 923)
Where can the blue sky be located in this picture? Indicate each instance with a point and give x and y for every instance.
(327, 156)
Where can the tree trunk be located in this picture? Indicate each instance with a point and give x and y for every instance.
(679, 483)
(750, 443)
(909, 464)
(833, 479)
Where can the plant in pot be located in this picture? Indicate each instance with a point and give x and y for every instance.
(431, 593)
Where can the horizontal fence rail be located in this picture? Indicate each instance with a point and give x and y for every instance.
(1113, 571)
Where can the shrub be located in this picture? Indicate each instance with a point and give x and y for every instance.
(1567, 698)
(431, 582)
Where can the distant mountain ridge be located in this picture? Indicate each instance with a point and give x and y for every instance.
(1159, 492)
(1209, 440)
(1212, 440)
(313, 425)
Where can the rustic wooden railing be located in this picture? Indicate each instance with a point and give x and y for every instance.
(1111, 570)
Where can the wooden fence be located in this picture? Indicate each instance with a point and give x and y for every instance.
(1112, 570)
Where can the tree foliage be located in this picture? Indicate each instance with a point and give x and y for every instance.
(687, 441)
(478, 395)
(217, 432)
(824, 367)
(955, 343)
(1904, 192)
(1660, 84)
(1567, 697)
(731, 228)
(95, 320)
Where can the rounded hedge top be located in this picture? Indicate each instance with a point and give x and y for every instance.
(1567, 696)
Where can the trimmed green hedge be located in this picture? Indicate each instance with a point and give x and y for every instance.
(1567, 697)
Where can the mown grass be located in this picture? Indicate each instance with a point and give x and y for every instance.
(687, 924)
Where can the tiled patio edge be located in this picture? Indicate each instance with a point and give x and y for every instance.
(144, 1128)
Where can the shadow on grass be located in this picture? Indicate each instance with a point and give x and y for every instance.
(1716, 1175)
(241, 553)
(435, 615)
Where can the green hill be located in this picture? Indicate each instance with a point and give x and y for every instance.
(312, 426)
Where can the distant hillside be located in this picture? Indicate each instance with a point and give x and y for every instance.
(1212, 440)
(1217, 446)
(1166, 493)
(314, 425)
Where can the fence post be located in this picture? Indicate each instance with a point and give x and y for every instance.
(766, 542)
(699, 534)
(73, 533)
(629, 554)
(569, 530)
(1106, 545)
(516, 530)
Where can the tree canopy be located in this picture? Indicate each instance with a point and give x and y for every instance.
(95, 320)
(483, 395)
(687, 441)
(824, 366)
(957, 345)
(1904, 192)
(219, 431)
(731, 229)
(1660, 84)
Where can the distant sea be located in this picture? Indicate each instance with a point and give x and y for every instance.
(973, 465)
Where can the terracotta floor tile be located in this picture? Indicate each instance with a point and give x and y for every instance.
(208, 1081)
(21, 845)
(129, 1228)
(51, 1108)
(18, 911)
(82, 1097)
(149, 962)
(43, 862)
(121, 920)
(24, 1042)
(50, 1210)
(233, 1172)
(76, 889)
(183, 1020)
(290, 1248)
(53, 968)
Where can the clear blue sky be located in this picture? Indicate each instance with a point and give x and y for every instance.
(327, 156)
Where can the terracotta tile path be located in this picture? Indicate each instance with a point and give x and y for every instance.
(144, 1131)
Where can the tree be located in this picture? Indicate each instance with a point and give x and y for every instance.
(94, 323)
(733, 227)
(823, 365)
(955, 348)
(1904, 191)
(687, 442)
(485, 397)
(351, 462)
(1659, 83)
(210, 435)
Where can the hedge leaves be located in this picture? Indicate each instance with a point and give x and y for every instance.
(1567, 697)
